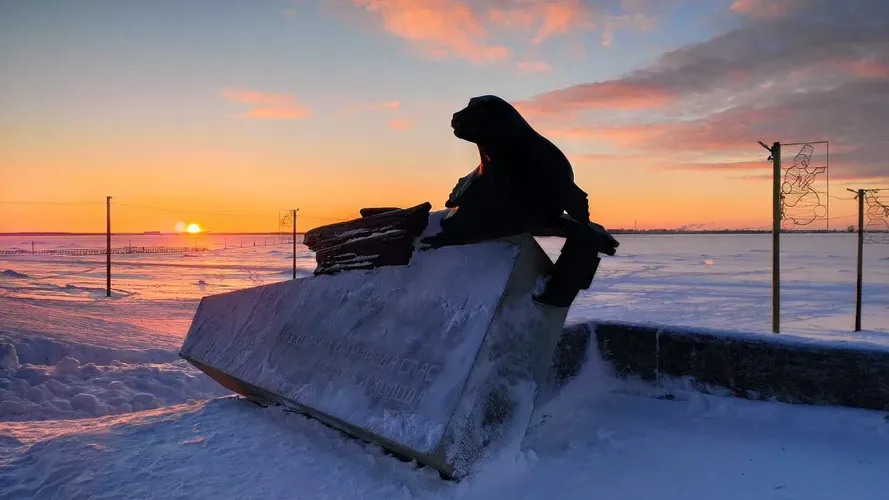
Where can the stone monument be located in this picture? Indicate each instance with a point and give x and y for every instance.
(438, 358)
(429, 334)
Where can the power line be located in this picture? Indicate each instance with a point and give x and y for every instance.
(833, 196)
(223, 214)
(51, 202)
(336, 219)
(163, 209)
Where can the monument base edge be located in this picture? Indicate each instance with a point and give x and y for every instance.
(262, 396)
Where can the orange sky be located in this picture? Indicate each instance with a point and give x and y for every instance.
(225, 122)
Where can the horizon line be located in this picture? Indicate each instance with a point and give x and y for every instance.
(302, 233)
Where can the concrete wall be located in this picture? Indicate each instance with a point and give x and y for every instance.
(752, 366)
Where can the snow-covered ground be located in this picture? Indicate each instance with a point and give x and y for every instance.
(95, 403)
(598, 439)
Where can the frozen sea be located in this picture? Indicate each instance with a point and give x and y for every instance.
(95, 402)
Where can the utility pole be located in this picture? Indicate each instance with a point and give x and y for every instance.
(860, 194)
(775, 156)
(776, 238)
(295, 210)
(859, 271)
(108, 246)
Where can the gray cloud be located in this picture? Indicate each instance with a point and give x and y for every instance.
(821, 71)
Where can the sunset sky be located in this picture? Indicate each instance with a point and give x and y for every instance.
(224, 112)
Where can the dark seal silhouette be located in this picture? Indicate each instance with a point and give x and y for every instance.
(523, 184)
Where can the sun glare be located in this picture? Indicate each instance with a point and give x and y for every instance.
(193, 228)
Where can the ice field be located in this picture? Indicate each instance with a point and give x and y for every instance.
(95, 403)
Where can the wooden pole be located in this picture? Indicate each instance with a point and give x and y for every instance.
(294, 243)
(108, 246)
(827, 145)
(860, 259)
(776, 240)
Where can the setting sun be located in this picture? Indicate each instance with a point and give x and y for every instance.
(193, 228)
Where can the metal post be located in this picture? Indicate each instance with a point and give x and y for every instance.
(860, 259)
(776, 233)
(827, 145)
(108, 246)
(294, 243)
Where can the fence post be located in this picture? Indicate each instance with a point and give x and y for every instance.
(108, 246)
(294, 242)
(858, 284)
(776, 240)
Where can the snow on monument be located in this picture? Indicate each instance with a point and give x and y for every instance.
(439, 360)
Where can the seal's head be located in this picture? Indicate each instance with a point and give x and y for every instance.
(488, 120)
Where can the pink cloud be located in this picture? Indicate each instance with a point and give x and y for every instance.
(560, 18)
(860, 68)
(730, 131)
(352, 110)
(547, 19)
(533, 66)
(377, 106)
(387, 105)
(399, 124)
(614, 94)
(466, 28)
(620, 136)
(267, 105)
(764, 9)
(440, 28)
(761, 166)
(637, 22)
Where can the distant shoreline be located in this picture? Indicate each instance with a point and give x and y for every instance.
(59, 233)
(612, 231)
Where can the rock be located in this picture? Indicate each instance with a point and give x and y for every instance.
(12, 408)
(84, 401)
(381, 237)
(385, 249)
(371, 211)
(67, 366)
(412, 220)
(9, 359)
